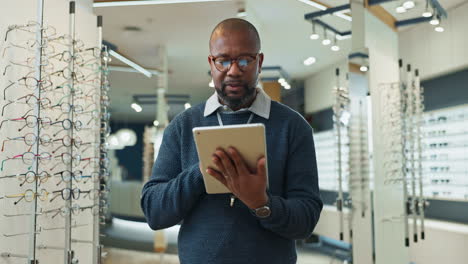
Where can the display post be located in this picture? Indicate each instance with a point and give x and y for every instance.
(69, 255)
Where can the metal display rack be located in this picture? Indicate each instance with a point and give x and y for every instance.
(56, 94)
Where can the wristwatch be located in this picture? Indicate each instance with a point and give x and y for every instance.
(262, 212)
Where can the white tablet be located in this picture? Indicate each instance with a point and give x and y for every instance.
(248, 139)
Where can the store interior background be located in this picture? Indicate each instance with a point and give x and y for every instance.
(441, 58)
(171, 42)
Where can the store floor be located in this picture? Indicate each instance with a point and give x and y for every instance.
(122, 256)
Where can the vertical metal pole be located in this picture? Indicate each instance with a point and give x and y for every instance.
(162, 107)
(37, 111)
(71, 65)
(96, 247)
(404, 130)
(339, 201)
(349, 201)
(411, 149)
(421, 204)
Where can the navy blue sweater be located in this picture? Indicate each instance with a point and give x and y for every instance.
(214, 233)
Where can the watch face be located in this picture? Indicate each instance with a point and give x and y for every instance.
(263, 212)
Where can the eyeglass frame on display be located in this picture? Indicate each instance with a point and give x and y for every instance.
(44, 192)
(35, 156)
(42, 141)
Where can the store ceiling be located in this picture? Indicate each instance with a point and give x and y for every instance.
(420, 6)
(184, 30)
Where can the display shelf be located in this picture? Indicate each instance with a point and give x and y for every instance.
(447, 159)
(445, 155)
(326, 148)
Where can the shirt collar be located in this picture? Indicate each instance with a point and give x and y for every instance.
(261, 105)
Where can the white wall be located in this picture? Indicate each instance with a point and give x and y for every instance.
(436, 53)
(318, 89)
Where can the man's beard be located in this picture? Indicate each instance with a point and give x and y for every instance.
(236, 103)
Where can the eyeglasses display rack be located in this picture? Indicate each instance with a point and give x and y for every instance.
(414, 156)
(445, 153)
(341, 117)
(401, 105)
(104, 171)
(52, 183)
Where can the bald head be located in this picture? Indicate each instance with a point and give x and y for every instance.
(239, 26)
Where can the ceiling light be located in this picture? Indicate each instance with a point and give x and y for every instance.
(314, 34)
(427, 12)
(149, 2)
(127, 137)
(314, 4)
(439, 29)
(309, 61)
(136, 107)
(114, 142)
(187, 106)
(434, 21)
(156, 123)
(325, 40)
(211, 84)
(408, 4)
(241, 12)
(400, 9)
(363, 68)
(283, 82)
(335, 46)
(130, 63)
(287, 87)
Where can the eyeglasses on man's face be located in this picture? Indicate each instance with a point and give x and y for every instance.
(223, 63)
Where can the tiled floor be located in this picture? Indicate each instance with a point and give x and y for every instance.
(121, 256)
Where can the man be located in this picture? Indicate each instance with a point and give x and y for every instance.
(259, 225)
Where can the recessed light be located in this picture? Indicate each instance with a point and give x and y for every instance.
(427, 13)
(400, 9)
(326, 42)
(439, 29)
(408, 4)
(314, 36)
(434, 22)
(309, 61)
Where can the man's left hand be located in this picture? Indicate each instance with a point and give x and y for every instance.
(247, 184)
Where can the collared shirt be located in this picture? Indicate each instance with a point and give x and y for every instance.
(260, 106)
